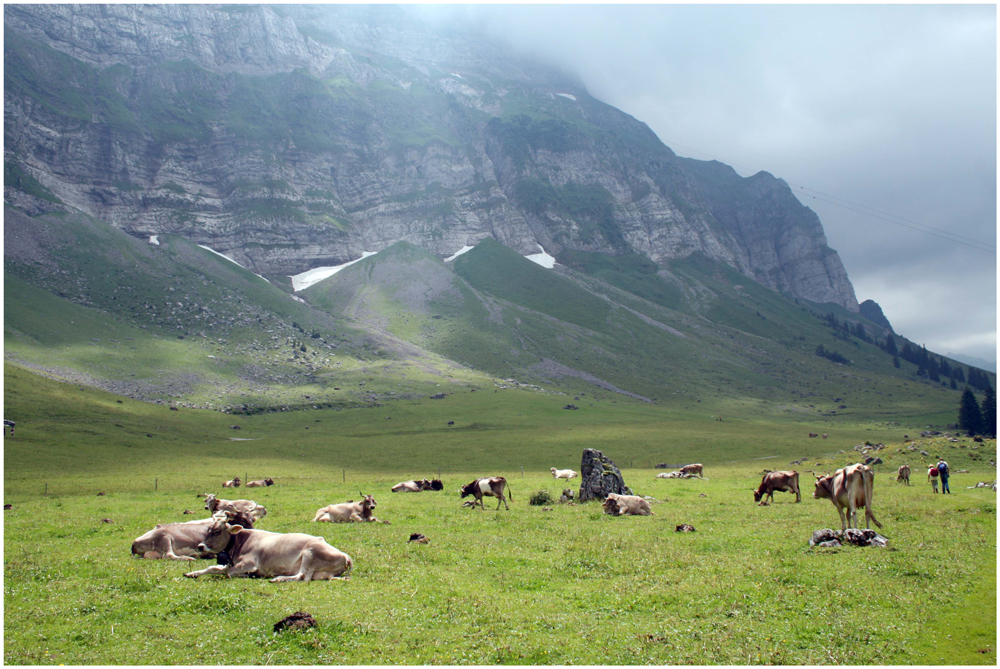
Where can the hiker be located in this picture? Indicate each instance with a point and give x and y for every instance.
(932, 476)
(942, 468)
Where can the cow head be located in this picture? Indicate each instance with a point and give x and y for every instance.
(268, 482)
(758, 494)
(217, 537)
(611, 506)
(468, 489)
(824, 487)
(211, 502)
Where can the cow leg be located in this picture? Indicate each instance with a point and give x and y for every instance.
(215, 569)
(165, 547)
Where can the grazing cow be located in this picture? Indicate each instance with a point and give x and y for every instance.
(783, 481)
(348, 512)
(692, 470)
(563, 473)
(247, 506)
(850, 488)
(626, 505)
(280, 557)
(903, 474)
(185, 541)
(491, 487)
(813, 435)
(412, 486)
(235, 483)
(824, 435)
(264, 483)
(10, 424)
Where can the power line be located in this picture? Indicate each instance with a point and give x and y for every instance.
(869, 211)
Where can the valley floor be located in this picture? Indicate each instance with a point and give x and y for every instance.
(564, 585)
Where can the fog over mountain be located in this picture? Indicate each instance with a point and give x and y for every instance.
(891, 108)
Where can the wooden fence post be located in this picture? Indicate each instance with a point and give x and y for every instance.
(156, 484)
(345, 476)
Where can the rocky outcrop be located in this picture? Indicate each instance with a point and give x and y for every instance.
(599, 476)
(871, 310)
(290, 137)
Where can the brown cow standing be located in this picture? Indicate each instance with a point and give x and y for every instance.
(903, 474)
(692, 470)
(850, 488)
(491, 487)
(784, 481)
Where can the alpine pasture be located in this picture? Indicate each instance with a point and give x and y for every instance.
(569, 585)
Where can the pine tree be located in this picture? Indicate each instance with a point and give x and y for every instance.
(890, 345)
(954, 386)
(895, 361)
(970, 417)
(989, 413)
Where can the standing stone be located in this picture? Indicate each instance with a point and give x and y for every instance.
(599, 477)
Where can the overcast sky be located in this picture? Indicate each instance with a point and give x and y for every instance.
(890, 108)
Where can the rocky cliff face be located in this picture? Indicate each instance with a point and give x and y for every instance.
(292, 137)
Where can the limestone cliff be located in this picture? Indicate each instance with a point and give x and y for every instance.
(296, 136)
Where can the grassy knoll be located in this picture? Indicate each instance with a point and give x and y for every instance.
(527, 586)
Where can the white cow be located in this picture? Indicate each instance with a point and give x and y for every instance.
(563, 473)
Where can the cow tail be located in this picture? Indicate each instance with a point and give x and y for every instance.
(869, 479)
(510, 495)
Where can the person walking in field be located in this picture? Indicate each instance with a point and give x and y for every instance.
(932, 476)
(943, 471)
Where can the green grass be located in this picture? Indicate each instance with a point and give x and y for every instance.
(528, 586)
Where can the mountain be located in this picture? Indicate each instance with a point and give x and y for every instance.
(988, 365)
(291, 137)
(871, 310)
(168, 168)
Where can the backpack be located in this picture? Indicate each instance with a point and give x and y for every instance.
(943, 468)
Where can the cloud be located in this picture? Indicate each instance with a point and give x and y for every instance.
(892, 107)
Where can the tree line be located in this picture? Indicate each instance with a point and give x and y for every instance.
(930, 366)
(978, 418)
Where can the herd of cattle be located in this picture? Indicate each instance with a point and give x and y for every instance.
(240, 549)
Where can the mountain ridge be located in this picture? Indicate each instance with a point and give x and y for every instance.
(316, 147)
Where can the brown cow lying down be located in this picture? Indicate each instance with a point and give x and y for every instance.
(348, 512)
(280, 557)
(247, 506)
(772, 482)
(263, 483)
(626, 505)
(186, 541)
(849, 488)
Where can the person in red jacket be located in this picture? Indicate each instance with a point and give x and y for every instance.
(932, 476)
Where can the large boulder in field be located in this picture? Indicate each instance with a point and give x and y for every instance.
(599, 477)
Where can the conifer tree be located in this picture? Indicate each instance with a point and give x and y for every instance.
(989, 413)
(970, 417)
(895, 361)
(890, 345)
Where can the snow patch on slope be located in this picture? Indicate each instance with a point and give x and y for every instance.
(223, 256)
(317, 274)
(542, 258)
(464, 249)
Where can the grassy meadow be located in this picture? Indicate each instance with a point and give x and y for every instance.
(526, 586)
